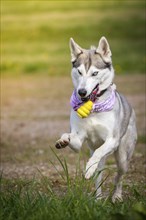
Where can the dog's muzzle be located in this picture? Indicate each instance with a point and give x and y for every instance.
(93, 95)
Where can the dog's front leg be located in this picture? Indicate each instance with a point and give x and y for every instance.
(73, 140)
(106, 149)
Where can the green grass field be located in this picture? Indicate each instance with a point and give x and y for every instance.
(74, 199)
(35, 34)
(35, 183)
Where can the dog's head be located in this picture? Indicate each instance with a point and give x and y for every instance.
(92, 69)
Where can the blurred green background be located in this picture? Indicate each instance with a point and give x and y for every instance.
(35, 34)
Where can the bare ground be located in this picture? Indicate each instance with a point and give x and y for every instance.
(35, 112)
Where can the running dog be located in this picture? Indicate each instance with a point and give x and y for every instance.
(100, 115)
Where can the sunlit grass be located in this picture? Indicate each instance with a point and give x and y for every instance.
(35, 35)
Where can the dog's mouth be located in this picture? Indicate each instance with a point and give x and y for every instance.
(92, 95)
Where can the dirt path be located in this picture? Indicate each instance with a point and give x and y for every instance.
(35, 112)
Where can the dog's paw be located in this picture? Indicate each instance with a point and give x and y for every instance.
(63, 141)
(90, 168)
(61, 144)
(117, 197)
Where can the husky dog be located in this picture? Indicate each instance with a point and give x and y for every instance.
(110, 127)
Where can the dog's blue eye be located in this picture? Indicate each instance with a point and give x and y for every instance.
(95, 73)
(79, 72)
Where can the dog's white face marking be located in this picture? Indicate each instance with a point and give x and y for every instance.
(88, 80)
(91, 67)
(83, 79)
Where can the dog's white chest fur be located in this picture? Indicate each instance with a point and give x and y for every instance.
(95, 128)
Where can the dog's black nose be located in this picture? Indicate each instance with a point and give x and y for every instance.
(82, 92)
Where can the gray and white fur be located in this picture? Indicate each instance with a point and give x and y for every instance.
(105, 132)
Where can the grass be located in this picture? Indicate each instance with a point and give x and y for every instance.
(35, 34)
(27, 202)
(142, 139)
(74, 199)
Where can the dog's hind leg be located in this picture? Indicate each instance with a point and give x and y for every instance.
(123, 156)
(122, 165)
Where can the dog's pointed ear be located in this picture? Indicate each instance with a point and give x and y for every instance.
(75, 50)
(104, 50)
